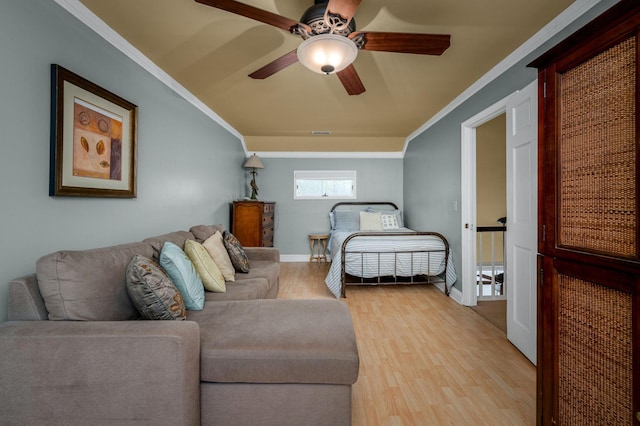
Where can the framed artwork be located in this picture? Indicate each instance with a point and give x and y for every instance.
(93, 139)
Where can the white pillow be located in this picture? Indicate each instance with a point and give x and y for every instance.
(218, 253)
(370, 221)
(390, 221)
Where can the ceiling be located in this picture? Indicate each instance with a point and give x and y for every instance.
(211, 52)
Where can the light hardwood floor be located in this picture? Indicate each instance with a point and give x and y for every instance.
(424, 359)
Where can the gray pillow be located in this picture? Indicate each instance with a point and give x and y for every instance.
(236, 252)
(177, 237)
(346, 220)
(152, 291)
(202, 232)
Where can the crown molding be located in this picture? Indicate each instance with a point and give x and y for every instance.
(84, 15)
(560, 22)
(87, 17)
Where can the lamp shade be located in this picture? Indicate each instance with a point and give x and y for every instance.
(327, 53)
(253, 162)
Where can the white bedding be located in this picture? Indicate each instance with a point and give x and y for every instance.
(397, 261)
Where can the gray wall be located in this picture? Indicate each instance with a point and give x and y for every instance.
(432, 162)
(378, 180)
(188, 169)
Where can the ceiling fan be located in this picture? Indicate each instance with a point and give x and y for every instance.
(331, 42)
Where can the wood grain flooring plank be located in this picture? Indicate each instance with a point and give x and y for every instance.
(424, 359)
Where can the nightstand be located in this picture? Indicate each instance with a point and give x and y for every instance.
(318, 246)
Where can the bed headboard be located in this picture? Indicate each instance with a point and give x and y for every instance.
(344, 216)
(353, 205)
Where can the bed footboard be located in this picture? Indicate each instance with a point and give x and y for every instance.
(415, 264)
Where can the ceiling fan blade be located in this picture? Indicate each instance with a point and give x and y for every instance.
(278, 65)
(421, 44)
(351, 81)
(344, 8)
(253, 13)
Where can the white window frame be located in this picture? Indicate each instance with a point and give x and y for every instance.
(325, 175)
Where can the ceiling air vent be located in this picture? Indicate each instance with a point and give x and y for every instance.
(320, 132)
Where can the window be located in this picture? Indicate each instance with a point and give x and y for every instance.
(324, 184)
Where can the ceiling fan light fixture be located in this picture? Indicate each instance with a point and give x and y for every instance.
(327, 53)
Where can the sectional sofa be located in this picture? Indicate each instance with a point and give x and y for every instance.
(75, 351)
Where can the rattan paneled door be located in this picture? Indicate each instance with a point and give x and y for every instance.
(588, 236)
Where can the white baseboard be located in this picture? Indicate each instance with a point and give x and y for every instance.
(297, 258)
(454, 293)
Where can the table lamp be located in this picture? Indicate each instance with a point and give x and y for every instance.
(253, 163)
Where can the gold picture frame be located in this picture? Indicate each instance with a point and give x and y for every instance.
(93, 139)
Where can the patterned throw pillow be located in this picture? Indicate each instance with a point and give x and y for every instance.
(152, 291)
(390, 221)
(398, 214)
(184, 275)
(209, 272)
(236, 252)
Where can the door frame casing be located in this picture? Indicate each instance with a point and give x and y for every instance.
(468, 200)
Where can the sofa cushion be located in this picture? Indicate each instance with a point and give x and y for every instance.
(206, 268)
(263, 269)
(100, 373)
(183, 274)
(152, 291)
(270, 254)
(218, 252)
(238, 257)
(247, 289)
(202, 232)
(277, 341)
(88, 285)
(177, 237)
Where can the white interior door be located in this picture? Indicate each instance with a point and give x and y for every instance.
(521, 237)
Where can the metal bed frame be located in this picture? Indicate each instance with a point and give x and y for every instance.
(348, 279)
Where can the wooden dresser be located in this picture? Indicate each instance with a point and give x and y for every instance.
(252, 223)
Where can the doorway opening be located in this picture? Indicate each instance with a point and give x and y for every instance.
(472, 269)
(491, 208)
(491, 211)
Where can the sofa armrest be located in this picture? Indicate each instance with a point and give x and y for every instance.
(271, 254)
(25, 300)
(66, 372)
